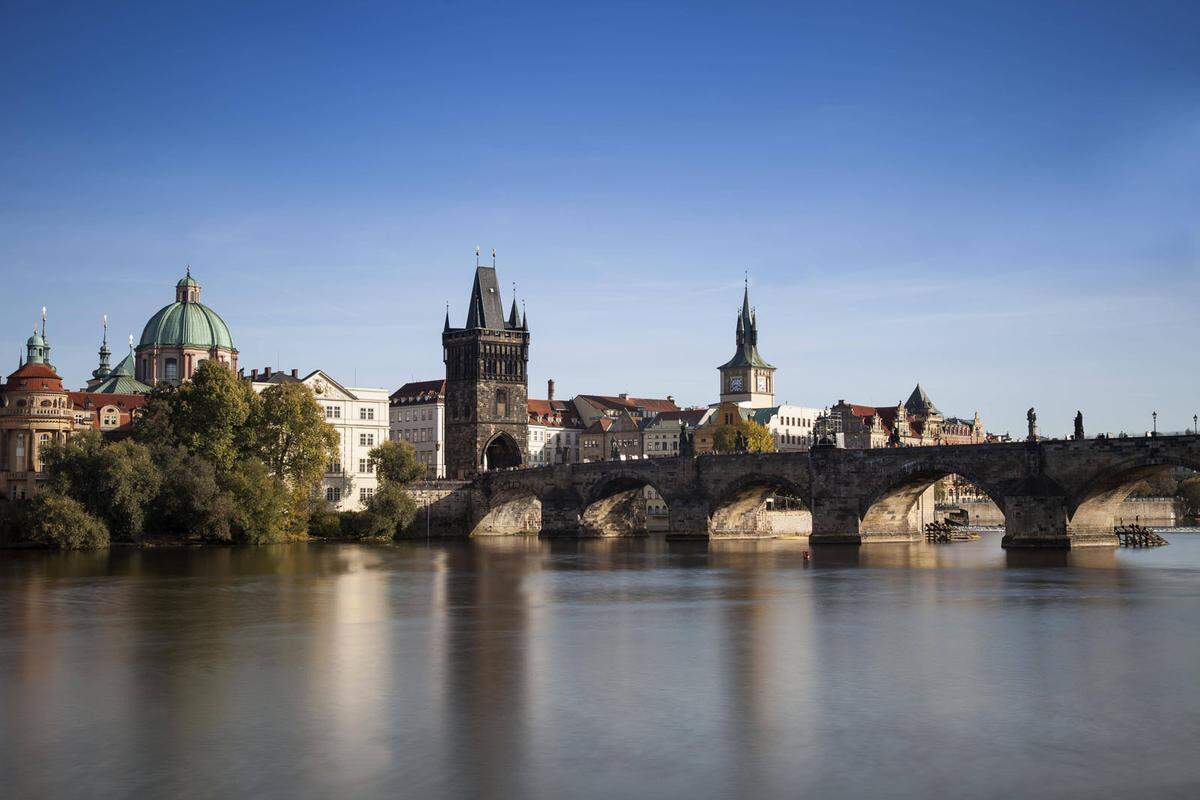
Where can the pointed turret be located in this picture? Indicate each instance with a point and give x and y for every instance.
(513, 320)
(446, 327)
(101, 372)
(919, 403)
(524, 317)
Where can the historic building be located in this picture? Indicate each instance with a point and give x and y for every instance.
(747, 378)
(487, 415)
(180, 336)
(554, 430)
(35, 410)
(913, 423)
(592, 407)
(360, 417)
(417, 414)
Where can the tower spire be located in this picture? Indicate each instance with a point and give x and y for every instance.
(102, 371)
(446, 327)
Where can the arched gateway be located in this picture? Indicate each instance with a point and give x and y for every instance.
(1052, 494)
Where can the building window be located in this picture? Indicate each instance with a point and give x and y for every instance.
(366, 493)
(334, 467)
(366, 440)
(501, 403)
(171, 370)
(366, 465)
(366, 413)
(333, 494)
(333, 412)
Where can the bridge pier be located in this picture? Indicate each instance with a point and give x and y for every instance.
(561, 517)
(688, 519)
(1036, 521)
(835, 520)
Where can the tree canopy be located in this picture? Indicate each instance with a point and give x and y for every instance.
(756, 436)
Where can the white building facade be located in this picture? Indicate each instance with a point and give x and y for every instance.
(360, 417)
(790, 426)
(417, 415)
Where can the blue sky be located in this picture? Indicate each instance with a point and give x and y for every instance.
(999, 200)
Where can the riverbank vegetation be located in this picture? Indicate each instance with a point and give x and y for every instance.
(207, 462)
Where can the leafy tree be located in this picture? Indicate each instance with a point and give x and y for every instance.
(1163, 485)
(207, 414)
(396, 462)
(264, 506)
(758, 438)
(191, 503)
(290, 435)
(113, 482)
(58, 521)
(390, 510)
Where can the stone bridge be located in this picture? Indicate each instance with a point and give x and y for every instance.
(1052, 493)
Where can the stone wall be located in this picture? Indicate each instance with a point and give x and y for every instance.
(1154, 511)
(444, 508)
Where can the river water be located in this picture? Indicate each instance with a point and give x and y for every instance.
(518, 668)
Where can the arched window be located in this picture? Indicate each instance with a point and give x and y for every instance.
(171, 370)
(501, 403)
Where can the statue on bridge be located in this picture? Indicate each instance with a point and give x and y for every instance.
(1079, 426)
(686, 442)
(1031, 416)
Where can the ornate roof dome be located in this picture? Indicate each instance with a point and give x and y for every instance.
(186, 322)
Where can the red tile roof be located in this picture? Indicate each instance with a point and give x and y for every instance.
(652, 405)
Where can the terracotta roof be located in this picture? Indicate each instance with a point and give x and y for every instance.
(91, 400)
(420, 391)
(600, 425)
(653, 405)
(33, 370)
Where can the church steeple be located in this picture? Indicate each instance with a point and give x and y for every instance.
(746, 378)
(101, 372)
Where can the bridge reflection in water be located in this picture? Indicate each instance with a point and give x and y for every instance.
(601, 668)
(1053, 494)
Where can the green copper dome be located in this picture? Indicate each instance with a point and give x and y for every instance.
(184, 323)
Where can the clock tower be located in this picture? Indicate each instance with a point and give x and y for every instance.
(746, 379)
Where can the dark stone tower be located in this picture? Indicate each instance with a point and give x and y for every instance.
(487, 417)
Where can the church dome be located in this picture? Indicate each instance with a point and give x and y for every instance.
(186, 322)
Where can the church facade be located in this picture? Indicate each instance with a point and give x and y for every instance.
(486, 393)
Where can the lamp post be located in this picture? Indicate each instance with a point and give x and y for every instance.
(1195, 428)
(1154, 432)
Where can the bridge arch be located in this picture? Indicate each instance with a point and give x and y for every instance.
(627, 503)
(501, 452)
(889, 510)
(511, 512)
(1094, 506)
(739, 507)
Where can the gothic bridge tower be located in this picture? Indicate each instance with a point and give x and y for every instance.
(746, 379)
(487, 418)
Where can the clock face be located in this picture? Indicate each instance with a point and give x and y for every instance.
(762, 383)
(735, 383)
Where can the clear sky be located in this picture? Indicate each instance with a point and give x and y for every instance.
(999, 200)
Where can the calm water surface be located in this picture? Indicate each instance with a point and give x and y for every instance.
(520, 668)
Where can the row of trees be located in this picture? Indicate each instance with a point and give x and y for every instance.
(210, 461)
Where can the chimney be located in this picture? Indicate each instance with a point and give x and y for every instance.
(550, 389)
(295, 372)
(624, 395)
(266, 372)
(670, 400)
(253, 374)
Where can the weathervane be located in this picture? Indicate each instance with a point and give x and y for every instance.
(477, 255)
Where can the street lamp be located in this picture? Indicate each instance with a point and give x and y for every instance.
(1195, 427)
(1155, 415)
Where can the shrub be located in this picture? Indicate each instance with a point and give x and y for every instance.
(325, 525)
(61, 522)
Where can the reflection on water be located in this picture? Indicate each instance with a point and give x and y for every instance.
(513, 667)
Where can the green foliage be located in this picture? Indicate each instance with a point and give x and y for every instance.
(264, 507)
(325, 524)
(191, 504)
(288, 432)
(112, 482)
(60, 522)
(758, 438)
(389, 511)
(396, 462)
(207, 415)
